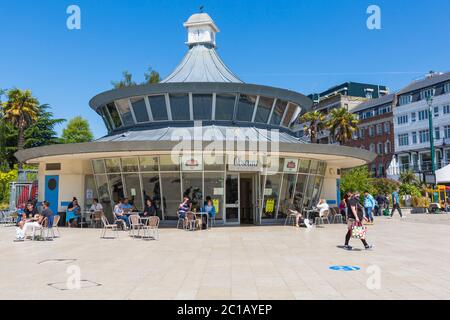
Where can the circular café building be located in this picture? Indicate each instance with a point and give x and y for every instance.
(200, 132)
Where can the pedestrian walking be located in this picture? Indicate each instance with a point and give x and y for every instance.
(369, 204)
(355, 216)
(396, 204)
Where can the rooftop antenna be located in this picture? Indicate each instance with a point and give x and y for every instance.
(201, 8)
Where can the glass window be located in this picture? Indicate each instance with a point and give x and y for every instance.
(232, 197)
(125, 112)
(278, 112)
(158, 106)
(287, 195)
(112, 165)
(193, 188)
(225, 106)
(314, 166)
(106, 118)
(263, 111)
(89, 184)
(151, 189)
(289, 114)
(148, 163)
(300, 198)
(246, 106)
(316, 189)
(202, 105)
(322, 168)
(140, 110)
(214, 162)
(437, 133)
(167, 164)
(114, 115)
(130, 165)
(179, 104)
(103, 195)
(170, 183)
(214, 189)
(116, 185)
(99, 166)
(133, 186)
(271, 192)
(304, 166)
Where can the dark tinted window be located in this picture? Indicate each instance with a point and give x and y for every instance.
(289, 114)
(114, 115)
(278, 112)
(263, 112)
(124, 109)
(246, 105)
(179, 104)
(225, 106)
(140, 109)
(158, 106)
(202, 106)
(106, 118)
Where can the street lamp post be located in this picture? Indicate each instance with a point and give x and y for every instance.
(431, 131)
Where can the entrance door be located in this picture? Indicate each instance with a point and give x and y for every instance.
(246, 200)
(232, 199)
(51, 192)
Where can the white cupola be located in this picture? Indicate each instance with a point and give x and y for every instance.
(201, 30)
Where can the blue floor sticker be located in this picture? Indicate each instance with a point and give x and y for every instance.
(345, 268)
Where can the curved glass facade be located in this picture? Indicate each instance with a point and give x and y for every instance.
(239, 107)
(165, 182)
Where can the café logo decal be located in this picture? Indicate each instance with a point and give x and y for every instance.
(290, 165)
(240, 164)
(191, 163)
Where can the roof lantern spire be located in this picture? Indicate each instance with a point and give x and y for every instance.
(201, 29)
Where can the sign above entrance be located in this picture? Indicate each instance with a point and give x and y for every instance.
(290, 165)
(192, 163)
(240, 164)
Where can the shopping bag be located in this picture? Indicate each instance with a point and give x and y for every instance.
(386, 212)
(359, 231)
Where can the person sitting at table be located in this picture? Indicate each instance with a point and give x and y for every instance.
(322, 206)
(73, 213)
(37, 221)
(126, 206)
(120, 213)
(96, 207)
(209, 208)
(149, 209)
(184, 207)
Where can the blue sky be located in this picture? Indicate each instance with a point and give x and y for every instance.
(302, 45)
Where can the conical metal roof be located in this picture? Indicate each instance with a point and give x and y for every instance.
(201, 63)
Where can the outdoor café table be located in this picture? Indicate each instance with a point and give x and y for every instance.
(309, 212)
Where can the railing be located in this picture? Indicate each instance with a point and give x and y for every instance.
(416, 167)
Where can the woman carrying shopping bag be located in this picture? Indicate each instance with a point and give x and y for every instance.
(354, 223)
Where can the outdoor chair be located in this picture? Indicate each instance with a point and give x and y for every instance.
(96, 219)
(119, 222)
(336, 216)
(135, 224)
(107, 226)
(152, 226)
(191, 221)
(211, 221)
(55, 226)
(321, 220)
(291, 217)
(182, 220)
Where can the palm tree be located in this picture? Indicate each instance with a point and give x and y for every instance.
(342, 124)
(409, 177)
(151, 76)
(21, 109)
(314, 123)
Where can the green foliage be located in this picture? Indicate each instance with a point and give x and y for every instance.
(77, 131)
(409, 177)
(151, 76)
(410, 190)
(5, 179)
(383, 185)
(357, 179)
(314, 124)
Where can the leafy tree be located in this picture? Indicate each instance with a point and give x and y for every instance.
(77, 131)
(151, 76)
(42, 132)
(342, 124)
(5, 179)
(314, 123)
(410, 190)
(357, 179)
(383, 185)
(21, 109)
(3, 154)
(127, 81)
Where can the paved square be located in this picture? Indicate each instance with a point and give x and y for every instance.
(270, 262)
